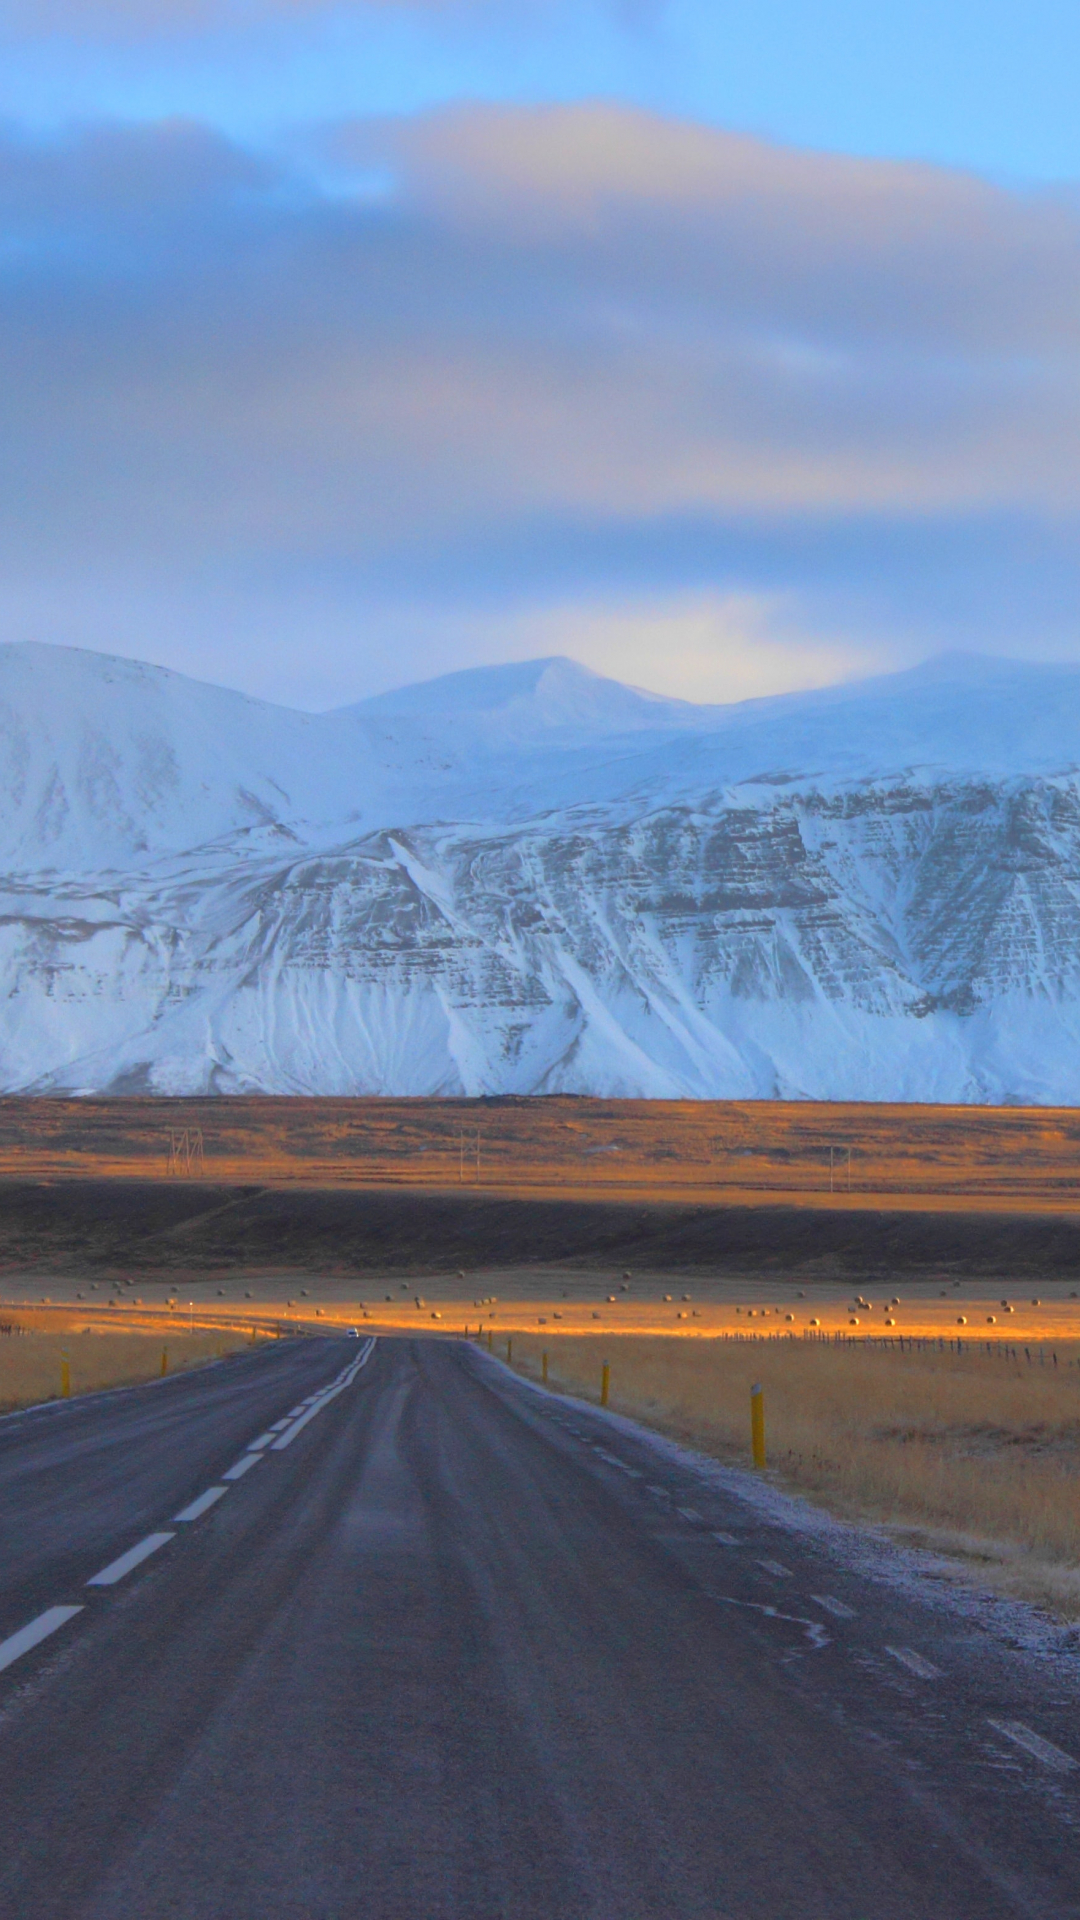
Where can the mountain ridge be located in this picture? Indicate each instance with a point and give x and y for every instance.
(529, 878)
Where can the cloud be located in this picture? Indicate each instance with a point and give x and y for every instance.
(378, 372)
(129, 20)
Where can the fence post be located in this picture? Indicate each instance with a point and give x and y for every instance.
(65, 1377)
(605, 1381)
(757, 1426)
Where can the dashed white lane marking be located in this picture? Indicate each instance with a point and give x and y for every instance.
(30, 1636)
(613, 1460)
(53, 1618)
(691, 1514)
(203, 1504)
(286, 1439)
(778, 1568)
(726, 1540)
(832, 1605)
(318, 1402)
(134, 1557)
(264, 1439)
(242, 1466)
(914, 1662)
(1034, 1744)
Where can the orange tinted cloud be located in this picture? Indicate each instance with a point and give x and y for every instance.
(547, 341)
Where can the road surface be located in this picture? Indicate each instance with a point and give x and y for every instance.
(451, 1648)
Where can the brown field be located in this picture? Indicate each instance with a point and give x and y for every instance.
(345, 1192)
(974, 1454)
(31, 1358)
(189, 1233)
(735, 1152)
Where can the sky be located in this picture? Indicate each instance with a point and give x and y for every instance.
(727, 348)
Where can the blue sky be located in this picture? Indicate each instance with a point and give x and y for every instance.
(988, 85)
(728, 348)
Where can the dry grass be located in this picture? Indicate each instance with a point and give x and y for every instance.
(975, 1455)
(948, 1157)
(30, 1362)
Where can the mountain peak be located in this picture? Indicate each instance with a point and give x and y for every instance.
(550, 695)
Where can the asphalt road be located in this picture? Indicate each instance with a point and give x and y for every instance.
(455, 1648)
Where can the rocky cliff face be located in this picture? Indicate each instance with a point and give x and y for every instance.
(661, 906)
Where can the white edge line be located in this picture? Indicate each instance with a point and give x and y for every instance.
(34, 1633)
(128, 1561)
(202, 1505)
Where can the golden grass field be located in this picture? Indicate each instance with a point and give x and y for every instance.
(689, 1309)
(31, 1359)
(972, 1453)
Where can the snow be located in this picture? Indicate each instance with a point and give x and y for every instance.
(527, 878)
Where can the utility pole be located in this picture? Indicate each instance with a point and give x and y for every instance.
(833, 1151)
(474, 1154)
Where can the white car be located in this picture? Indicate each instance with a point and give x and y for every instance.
(352, 1333)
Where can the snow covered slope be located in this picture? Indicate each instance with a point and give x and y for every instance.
(528, 878)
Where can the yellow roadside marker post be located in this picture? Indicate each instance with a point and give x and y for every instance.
(509, 1351)
(757, 1425)
(65, 1377)
(605, 1381)
(543, 1368)
(489, 1339)
(164, 1361)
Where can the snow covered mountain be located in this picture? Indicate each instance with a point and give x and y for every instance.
(528, 879)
